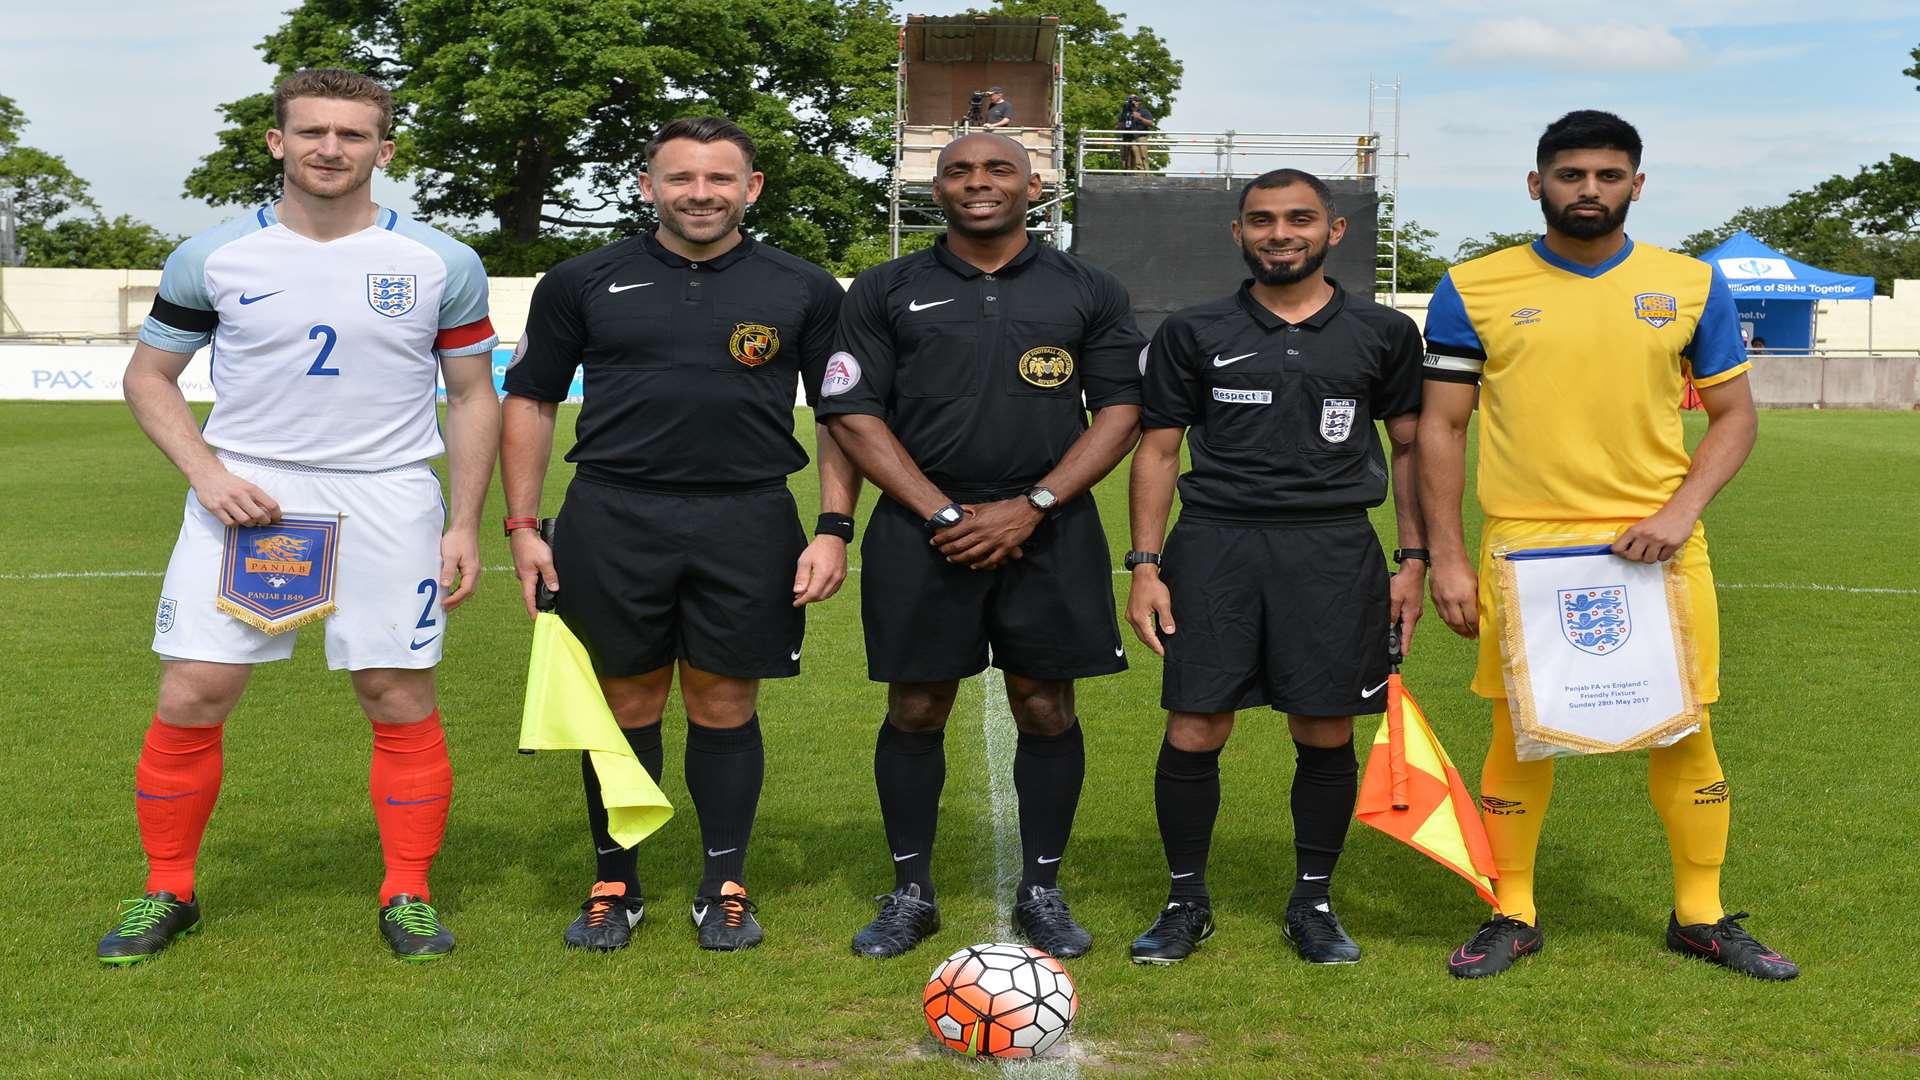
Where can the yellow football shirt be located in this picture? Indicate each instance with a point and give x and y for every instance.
(1581, 369)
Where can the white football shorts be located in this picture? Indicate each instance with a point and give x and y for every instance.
(386, 580)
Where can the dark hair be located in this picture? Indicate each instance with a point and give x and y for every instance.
(704, 129)
(1280, 178)
(1587, 129)
(336, 83)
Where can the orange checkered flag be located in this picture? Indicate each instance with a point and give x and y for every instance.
(1413, 793)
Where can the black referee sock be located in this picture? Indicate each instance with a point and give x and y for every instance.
(613, 862)
(1186, 799)
(1048, 771)
(725, 769)
(910, 768)
(1325, 782)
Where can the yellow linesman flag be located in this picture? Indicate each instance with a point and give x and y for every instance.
(1413, 793)
(565, 710)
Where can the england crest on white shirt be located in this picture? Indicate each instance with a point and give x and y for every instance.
(393, 295)
(1336, 418)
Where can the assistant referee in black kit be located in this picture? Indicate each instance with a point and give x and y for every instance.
(960, 388)
(678, 542)
(1272, 589)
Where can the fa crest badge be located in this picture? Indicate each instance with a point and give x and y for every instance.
(1047, 366)
(1595, 620)
(1655, 309)
(393, 295)
(1336, 418)
(754, 344)
(278, 577)
(163, 618)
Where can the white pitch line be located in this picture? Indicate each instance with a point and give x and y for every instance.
(1811, 587)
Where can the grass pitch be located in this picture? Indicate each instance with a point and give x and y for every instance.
(1811, 544)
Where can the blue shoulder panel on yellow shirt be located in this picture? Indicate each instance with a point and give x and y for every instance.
(1448, 328)
(1716, 346)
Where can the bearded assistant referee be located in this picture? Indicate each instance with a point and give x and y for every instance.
(678, 544)
(960, 388)
(1576, 346)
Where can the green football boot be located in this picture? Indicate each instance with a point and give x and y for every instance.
(148, 925)
(413, 929)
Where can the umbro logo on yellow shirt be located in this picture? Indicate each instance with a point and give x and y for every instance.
(1526, 316)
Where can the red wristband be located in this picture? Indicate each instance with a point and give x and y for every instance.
(521, 523)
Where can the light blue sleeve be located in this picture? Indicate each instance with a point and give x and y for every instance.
(183, 315)
(465, 328)
(1717, 346)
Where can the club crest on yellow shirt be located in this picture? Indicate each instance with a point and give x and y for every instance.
(1047, 366)
(1656, 309)
(753, 343)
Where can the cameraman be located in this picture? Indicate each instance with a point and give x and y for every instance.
(999, 112)
(1134, 117)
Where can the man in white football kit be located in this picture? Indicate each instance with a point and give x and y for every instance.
(325, 313)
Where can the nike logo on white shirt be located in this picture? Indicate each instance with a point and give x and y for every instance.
(915, 305)
(612, 288)
(1217, 362)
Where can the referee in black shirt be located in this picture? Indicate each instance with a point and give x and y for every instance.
(678, 541)
(960, 388)
(1273, 589)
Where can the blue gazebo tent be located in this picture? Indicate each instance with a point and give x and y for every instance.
(1776, 295)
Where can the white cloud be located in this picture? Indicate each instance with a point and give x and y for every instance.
(1608, 45)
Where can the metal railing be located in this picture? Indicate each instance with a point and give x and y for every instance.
(1231, 155)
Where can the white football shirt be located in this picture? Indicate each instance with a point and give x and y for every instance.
(324, 353)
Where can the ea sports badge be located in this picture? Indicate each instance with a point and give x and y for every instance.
(754, 343)
(1047, 366)
(278, 577)
(1655, 309)
(842, 374)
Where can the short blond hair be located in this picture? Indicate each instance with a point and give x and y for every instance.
(336, 83)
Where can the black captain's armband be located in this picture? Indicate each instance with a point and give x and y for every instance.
(192, 320)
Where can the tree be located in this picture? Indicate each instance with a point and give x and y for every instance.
(1104, 65)
(1420, 269)
(535, 113)
(41, 184)
(97, 243)
(1867, 223)
(1914, 71)
(1492, 242)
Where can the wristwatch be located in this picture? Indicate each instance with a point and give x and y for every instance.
(1042, 498)
(945, 517)
(1401, 555)
(1135, 558)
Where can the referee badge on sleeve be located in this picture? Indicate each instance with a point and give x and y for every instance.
(278, 577)
(842, 375)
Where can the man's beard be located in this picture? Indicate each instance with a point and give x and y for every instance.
(1563, 220)
(671, 221)
(1284, 274)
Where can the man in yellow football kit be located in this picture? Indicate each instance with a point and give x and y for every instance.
(1578, 345)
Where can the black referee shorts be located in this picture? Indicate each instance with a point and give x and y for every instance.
(647, 578)
(1048, 615)
(1294, 616)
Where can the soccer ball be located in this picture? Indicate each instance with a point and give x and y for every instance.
(1001, 1001)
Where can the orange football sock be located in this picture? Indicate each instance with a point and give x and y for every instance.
(411, 782)
(175, 786)
(1513, 806)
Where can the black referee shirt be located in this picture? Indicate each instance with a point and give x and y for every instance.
(692, 368)
(1281, 415)
(985, 378)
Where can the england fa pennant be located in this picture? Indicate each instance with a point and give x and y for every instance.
(278, 577)
(1596, 649)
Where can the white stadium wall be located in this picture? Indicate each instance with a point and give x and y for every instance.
(66, 335)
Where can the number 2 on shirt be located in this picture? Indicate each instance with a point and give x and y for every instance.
(326, 349)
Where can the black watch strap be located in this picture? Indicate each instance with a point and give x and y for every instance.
(839, 525)
(1137, 558)
(1401, 555)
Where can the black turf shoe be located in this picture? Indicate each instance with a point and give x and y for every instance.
(607, 919)
(904, 921)
(1176, 932)
(413, 929)
(726, 921)
(148, 925)
(1728, 944)
(1494, 947)
(1043, 917)
(1318, 936)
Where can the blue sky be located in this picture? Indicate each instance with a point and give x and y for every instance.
(1739, 103)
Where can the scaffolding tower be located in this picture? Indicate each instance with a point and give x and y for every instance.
(1383, 121)
(945, 61)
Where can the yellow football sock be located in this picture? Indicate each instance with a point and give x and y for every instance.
(1513, 805)
(1690, 792)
